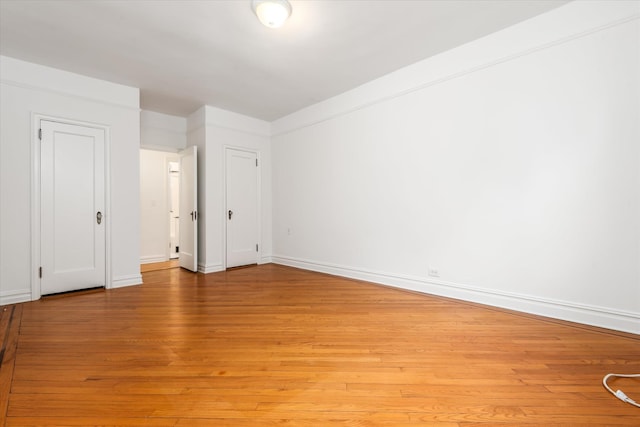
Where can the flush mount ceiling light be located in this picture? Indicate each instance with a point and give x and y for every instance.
(272, 13)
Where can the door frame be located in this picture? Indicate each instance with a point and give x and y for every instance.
(172, 154)
(170, 157)
(36, 194)
(224, 204)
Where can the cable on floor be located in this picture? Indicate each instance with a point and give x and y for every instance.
(619, 393)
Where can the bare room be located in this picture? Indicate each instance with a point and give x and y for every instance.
(319, 212)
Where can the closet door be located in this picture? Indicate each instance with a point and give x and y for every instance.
(242, 207)
(72, 217)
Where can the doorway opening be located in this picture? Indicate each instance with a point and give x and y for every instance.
(159, 206)
(168, 207)
(174, 208)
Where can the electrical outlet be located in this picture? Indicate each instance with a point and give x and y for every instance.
(433, 272)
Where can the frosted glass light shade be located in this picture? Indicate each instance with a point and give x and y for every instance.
(272, 13)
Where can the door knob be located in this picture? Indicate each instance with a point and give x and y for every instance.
(230, 213)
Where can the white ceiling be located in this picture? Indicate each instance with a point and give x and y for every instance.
(185, 54)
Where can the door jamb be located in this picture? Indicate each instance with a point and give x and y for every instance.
(36, 118)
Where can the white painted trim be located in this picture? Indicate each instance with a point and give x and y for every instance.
(107, 204)
(14, 297)
(237, 129)
(153, 258)
(580, 313)
(225, 119)
(207, 116)
(124, 281)
(266, 259)
(67, 94)
(162, 148)
(36, 118)
(41, 78)
(164, 129)
(36, 290)
(210, 268)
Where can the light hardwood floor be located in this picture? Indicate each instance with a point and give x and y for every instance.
(155, 266)
(271, 345)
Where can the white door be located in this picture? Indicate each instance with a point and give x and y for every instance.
(242, 207)
(188, 223)
(72, 161)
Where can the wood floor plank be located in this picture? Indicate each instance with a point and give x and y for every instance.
(90, 421)
(272, 345)
(10, 332)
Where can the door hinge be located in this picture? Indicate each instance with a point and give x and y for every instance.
(256, 247)
(40, 272)
(40, 134)
(256, 162)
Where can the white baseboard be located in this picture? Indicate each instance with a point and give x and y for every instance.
(14, 297)
(121, 282)
(209, 268)
(267, 259)
(563, 310)
(152, 258)
(214, 268)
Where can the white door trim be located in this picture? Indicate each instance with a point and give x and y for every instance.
(225, 208)
(36, 118)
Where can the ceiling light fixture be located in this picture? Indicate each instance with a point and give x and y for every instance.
(272, 13)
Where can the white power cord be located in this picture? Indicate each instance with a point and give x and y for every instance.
(619, 393)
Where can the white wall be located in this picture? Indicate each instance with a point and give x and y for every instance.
(28, 90)
(154, 205)
(162, 132)
(510, 165)
(211, 130)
